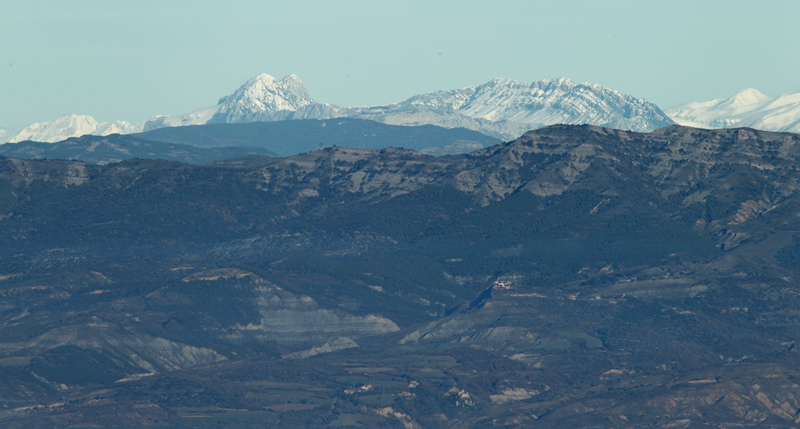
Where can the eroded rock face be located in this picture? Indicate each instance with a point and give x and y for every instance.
(179, 325)
(144, 351)
(65, 173)
(329, 347)
(237, 307)
(288, 318)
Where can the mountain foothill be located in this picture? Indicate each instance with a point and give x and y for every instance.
(575, 276)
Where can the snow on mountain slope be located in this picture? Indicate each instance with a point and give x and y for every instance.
(504, 107)
(116, 127)
(62, 128)
(6, 135)
(782, 114)
(747, 108)
(562, 101)
(501, 108)
(262, 98)
(265, 95)
(196, 117)
(69, 126)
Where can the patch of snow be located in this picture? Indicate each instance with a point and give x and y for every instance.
(6, 135)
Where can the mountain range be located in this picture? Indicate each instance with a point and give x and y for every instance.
(577, 276)
(747, 108)
(500, 108)
(65, 127)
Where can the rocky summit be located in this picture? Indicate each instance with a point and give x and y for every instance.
(576, 276)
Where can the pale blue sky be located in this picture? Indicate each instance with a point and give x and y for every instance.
(131, 60)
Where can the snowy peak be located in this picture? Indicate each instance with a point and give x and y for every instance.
(784, 100)
(557, 84)
(561, 100)
(66, 126)
(116, 127)
(71, 126)
(746, 108)
(502, 108)
(6, 135)
(262, 98)
(269, 92)
(507, 108)
(264, 93)
(746, 99)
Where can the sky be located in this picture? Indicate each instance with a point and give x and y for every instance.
(133, 60)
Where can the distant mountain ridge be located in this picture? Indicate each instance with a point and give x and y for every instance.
(66, 127)
(287, 138)
(214, 142)
(115, 148)
(504, 107)
(501, 108)
(747, 108)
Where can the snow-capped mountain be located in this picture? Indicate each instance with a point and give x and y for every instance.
(68, 126)
(501, 107)
(747, 108)
(505, 108)
(262, 98)
(6, 135)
